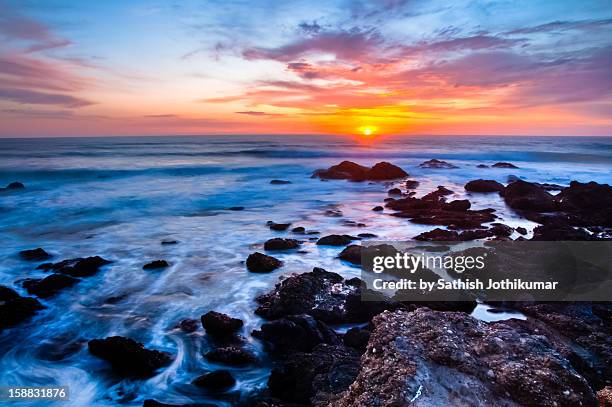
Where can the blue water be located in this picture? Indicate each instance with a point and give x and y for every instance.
(119, 197)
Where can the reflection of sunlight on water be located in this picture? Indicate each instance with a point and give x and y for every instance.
(123, 216)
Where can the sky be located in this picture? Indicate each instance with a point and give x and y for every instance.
(375, 67)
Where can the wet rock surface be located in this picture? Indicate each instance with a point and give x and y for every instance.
(156, 264)
(484, 185)
(281, 244)
(128, 357)
(296, 333)
(50, 285)
(351, 171)
(504, 165)
(231, 356)
(437, 164)
(218, 380)
(15, 309)
(220, 325)
(448, 358)
(261, 263)
(37, 254)
(78, 267)
(336, 240)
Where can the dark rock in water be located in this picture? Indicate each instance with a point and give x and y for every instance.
(155, 403)
(526, 196)
(503, 165)
(465, 361)
(278, 226)
(37, 254)
(15, 185)
(156, 264)
(220, 325)
(261, 263)
(366, 235)
(411, 184)
(587, 204)
(299, 230)
(128, 357)
(459, 205)
(559, 231)
(218, 380)
(437, 164)
(336, 240)
(169, 242)
(15, 309)
(355, 172)
(351, 253)
(318, 375)
(236, 208)
(189, 325)
(467, 235)
(80, 267)
(357, 338)
(482, 166)
(281, 244)
(231, 355)
(50, 285)
(296, 333)
(44, 266)
(438, 234)
(521, 230)
(499, 229)
(484, 185)
(279, 182)
(394, 191)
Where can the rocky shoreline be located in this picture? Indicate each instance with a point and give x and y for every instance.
(396, 353)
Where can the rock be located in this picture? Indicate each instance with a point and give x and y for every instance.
(351, 253)
(128, 357)
(218, 380)
(281, 244)
(394, 191)
(526, 196)
(80, 267)
(261, 263)
(15, 309)
(559, 230)
(299, 230)
(475, 234)
(586, 204)
(169, 242)
(378, 208)
(357, 338)
(189, 325)
(450, 358)
(296, 333)
(235, 208)
(355, 172)
(220, 325)
(604, 396)
(50, 285)
(459, 205)
(155, 403)
(156, 264)
(278, 226)
(411, 184)
(521, 230)
(15, 185)
(503, 165)
(499, 229)
(305, 377)
(279, 182)
(438, 234)
(231, 355)
(437, 164)
(37, 254)
(482, 166)
(336, 240)
(366, 235)
(484, 185)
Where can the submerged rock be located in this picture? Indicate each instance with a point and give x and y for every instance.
(336, 240)
(355, 172)
(156, 264)
(236, 208)
(37, 254)
(437, 164)
(15, 309)
(278, 226)
(279, 182)
(128, 357)
(218, 380)
(50, 285)
(503, 165)
(220, 325)
(281, 244)
(261, 263)
(79, 267)
(484, 185)
(15, 185)
(450, 358)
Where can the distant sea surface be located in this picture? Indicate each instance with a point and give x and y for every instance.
(120, 197)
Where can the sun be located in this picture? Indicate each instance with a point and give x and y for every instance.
(367, 131)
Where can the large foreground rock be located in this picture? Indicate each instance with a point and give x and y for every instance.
(355, 172)
(430, 358)
(261, 263)
(587, 204)
(15, 309)
(128, 357)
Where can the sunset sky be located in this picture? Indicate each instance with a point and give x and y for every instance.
(283, 67)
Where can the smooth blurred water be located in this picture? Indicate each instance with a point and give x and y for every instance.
(119, 197)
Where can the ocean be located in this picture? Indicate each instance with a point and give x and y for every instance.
(119, 197)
